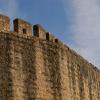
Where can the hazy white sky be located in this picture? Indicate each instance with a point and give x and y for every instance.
(86, 28)
(76, 22)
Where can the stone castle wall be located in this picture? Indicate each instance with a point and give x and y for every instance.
(40, 67)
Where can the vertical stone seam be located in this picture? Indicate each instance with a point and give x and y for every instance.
(9, 60)
(53, 61)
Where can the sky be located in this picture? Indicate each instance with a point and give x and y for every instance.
(75, 22)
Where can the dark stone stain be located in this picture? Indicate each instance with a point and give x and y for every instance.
(6, 84)
(29, 70)
(81, 85)
(90, 87)
(54, 69)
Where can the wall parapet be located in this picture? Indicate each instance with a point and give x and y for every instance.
(24, 28)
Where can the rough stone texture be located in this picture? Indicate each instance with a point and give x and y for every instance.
(4, 23)
(36, 68)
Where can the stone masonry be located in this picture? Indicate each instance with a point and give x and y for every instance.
(41, 67)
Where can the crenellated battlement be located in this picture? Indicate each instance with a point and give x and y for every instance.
(39, 31)
(4, 23)
(24, 28)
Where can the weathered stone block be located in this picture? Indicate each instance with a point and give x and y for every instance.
(39, 31)
(4, 23)
(22, 27)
